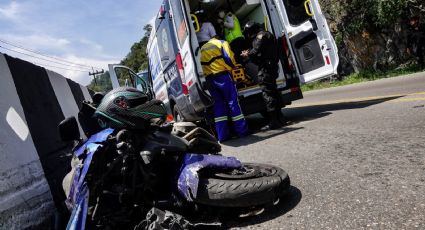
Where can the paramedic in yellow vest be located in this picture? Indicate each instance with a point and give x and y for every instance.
(217, 61)
(232, 33)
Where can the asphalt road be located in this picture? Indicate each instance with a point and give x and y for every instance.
(355, 155)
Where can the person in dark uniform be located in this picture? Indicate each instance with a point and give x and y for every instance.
(264, 54)
(416, 40)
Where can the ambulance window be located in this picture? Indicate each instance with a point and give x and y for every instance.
(124, 75)
(179, 22)
(165, 45)
(296, 11)
(141, 84)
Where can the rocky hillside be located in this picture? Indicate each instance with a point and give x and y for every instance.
(372, 34)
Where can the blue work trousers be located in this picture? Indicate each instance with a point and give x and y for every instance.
(226, 106)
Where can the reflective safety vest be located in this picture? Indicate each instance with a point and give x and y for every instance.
(217, 57)
(236, 32)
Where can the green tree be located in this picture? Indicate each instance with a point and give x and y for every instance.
(371, 34)
(101, 83)
(136, 59)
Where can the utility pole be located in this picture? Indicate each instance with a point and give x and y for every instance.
(95, 73)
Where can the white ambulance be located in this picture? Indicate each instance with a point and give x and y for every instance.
(307, 51)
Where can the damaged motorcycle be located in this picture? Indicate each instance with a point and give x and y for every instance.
(136, 172)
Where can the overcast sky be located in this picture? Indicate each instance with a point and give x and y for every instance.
(88, 32)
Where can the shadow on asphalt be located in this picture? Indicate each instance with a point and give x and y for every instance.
(256, 122)
(254, 138)
(294, 116)
(286, 204)
(300, 114)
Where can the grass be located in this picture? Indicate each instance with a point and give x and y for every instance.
(359, 77)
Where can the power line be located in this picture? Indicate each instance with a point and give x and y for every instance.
(84, 71)
(96, 73)
(79, 70)
(45, 55)
(37, 57)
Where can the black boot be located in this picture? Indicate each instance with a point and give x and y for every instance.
(281, 118)
(273, 122)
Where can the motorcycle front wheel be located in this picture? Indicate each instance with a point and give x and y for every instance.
(251, 185)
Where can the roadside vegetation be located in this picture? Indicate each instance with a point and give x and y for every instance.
(362, 76)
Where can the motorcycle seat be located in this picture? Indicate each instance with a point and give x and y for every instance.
(161, 141)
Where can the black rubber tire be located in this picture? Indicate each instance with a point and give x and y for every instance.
(263, 184)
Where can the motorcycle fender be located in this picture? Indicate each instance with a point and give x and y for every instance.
(77, 221)
(188, 179)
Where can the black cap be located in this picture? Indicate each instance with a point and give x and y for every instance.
(251, 27)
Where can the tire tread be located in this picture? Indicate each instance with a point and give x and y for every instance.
(243, 192)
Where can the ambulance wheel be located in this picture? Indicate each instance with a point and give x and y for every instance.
(251, 185)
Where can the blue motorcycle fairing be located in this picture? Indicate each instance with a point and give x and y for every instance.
(78, 197)
(95, 138)
(79, 193)
(79, 213)
(80, 174)
(188, 179)
(187, 182)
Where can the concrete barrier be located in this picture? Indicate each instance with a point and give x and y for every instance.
(63, 94)
(33, 159)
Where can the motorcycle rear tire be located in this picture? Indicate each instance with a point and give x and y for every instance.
(254, 185)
